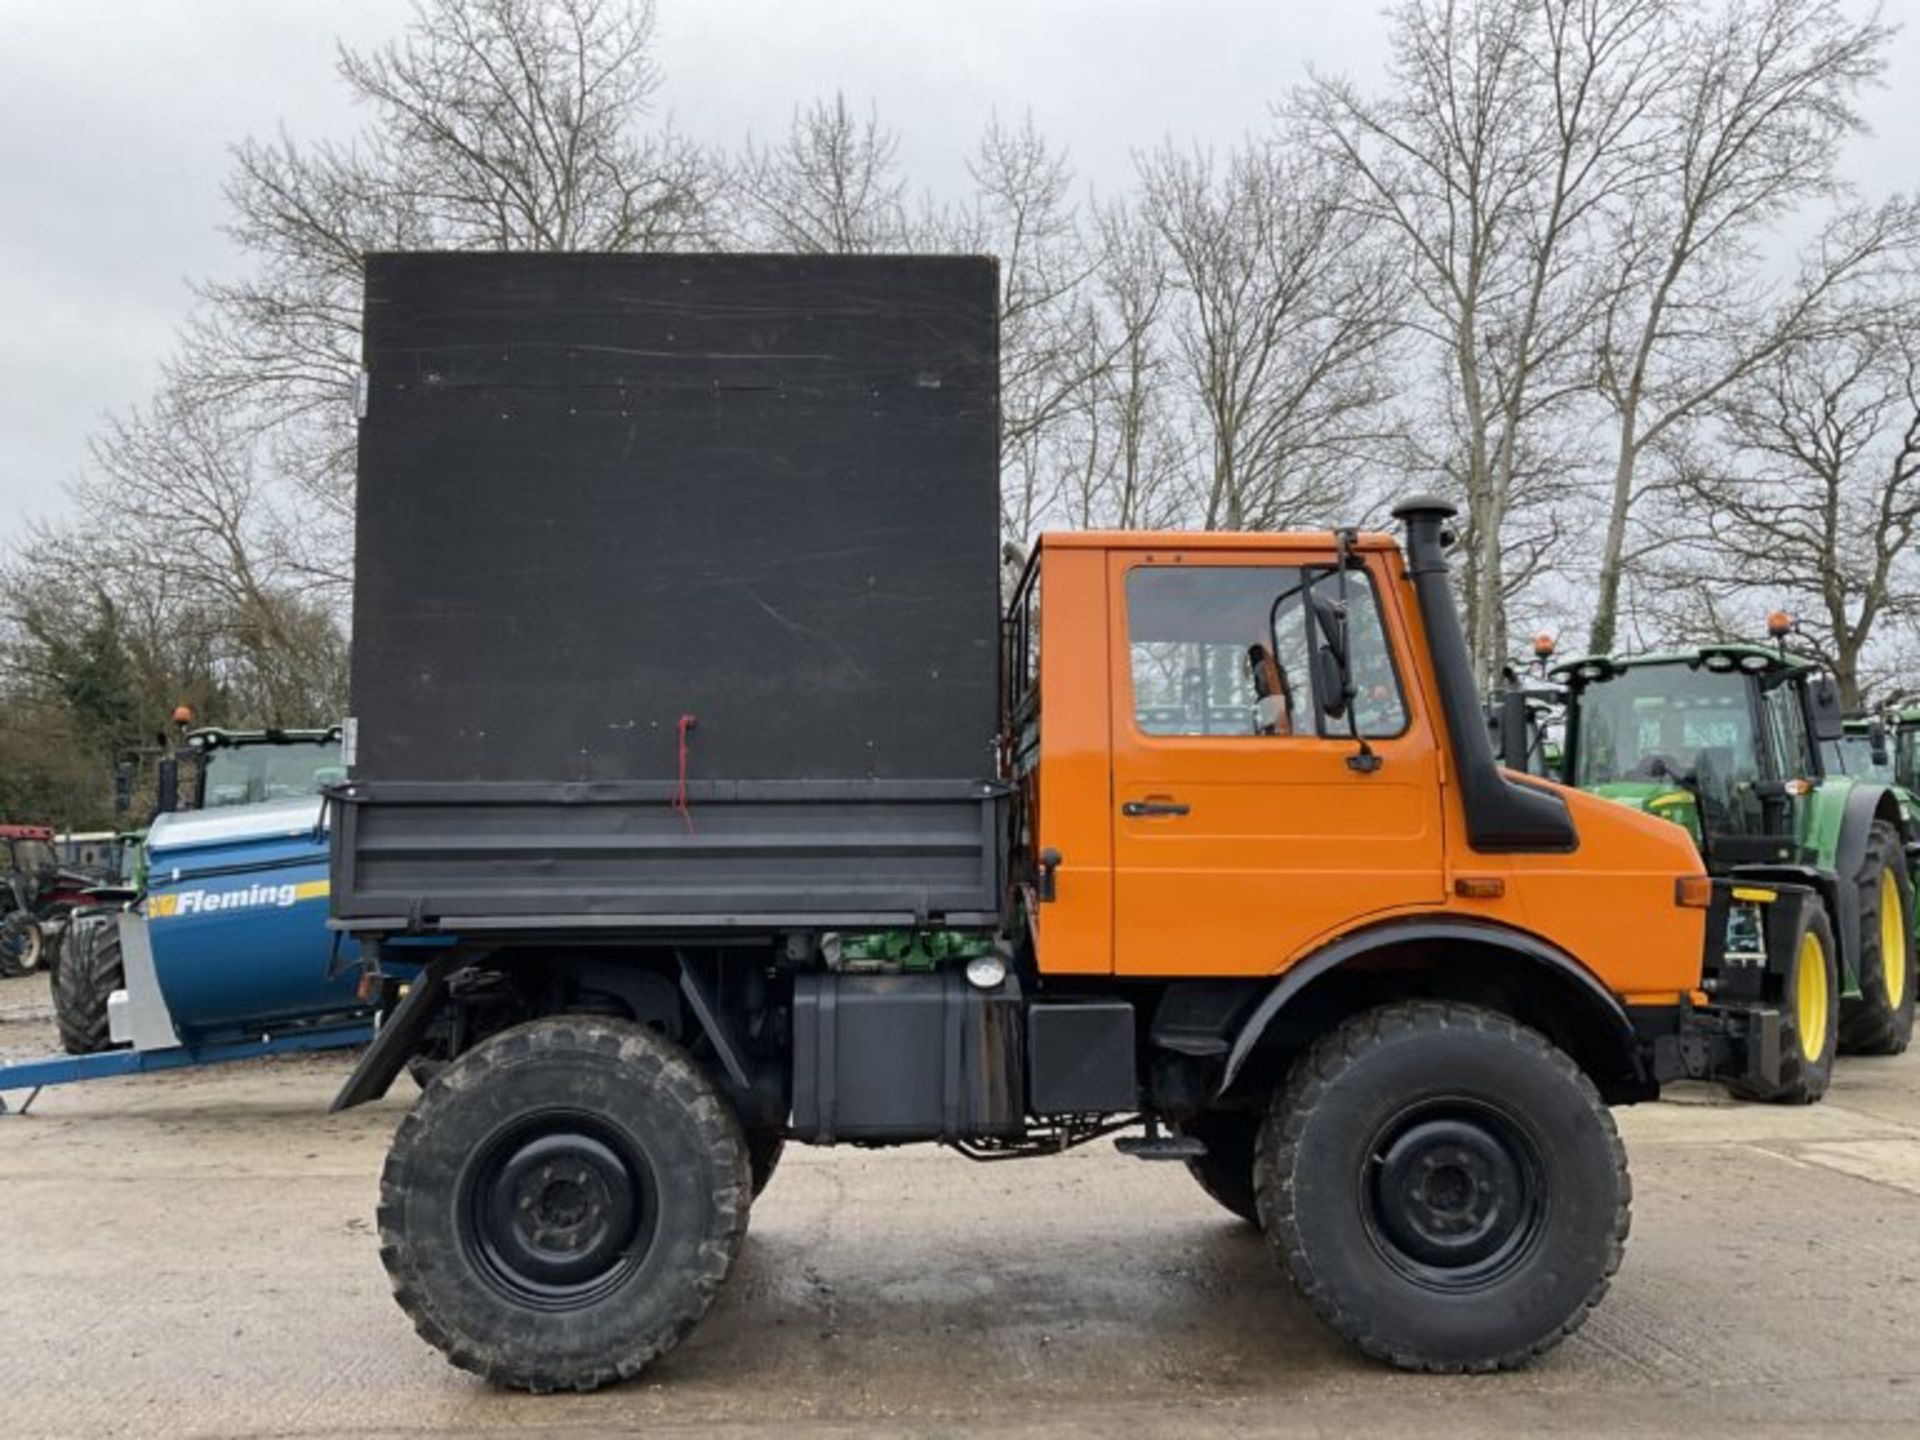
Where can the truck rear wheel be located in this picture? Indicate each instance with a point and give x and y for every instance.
(1225, 1172)
(84, 980)
(1880, 1022)
(1809, 1018)
(1444, 1186)
(563, 1203)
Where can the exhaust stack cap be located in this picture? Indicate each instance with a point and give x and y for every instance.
(1429, 537)
(1424, 507)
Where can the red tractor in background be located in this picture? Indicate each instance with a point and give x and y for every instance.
(36, 895)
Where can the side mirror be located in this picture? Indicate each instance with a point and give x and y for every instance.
(1332, 666)
(1330, 682)
(1877, 742)
(122, 788)
(1823, 695)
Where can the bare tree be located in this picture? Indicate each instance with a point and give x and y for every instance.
(1745, 129)
(170, 585)
(832, 185)
(1126, 460)
(1284, 304)
(1505, 126)
(1816, 498)
(191, 532)
(1052, 351)
(497, 124)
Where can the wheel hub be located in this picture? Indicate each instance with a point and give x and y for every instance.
(1453, 1197)
(559, 1212)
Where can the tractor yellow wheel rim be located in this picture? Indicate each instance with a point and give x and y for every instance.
(1810, 998)
(1893, 940)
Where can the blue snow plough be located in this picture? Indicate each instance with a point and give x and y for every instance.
(220, 951)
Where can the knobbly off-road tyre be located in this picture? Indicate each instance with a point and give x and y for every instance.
(1225, 1172)
(563, 1203)
(1445, 1187)
(88, 973)
(1809, 1018)
(1880, 1022)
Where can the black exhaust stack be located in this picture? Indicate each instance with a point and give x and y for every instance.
(1504, 816)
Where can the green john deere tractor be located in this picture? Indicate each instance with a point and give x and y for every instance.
(1727, 741)
(1903, 736)
(1866, 751)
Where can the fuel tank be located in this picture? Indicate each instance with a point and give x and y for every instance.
(237, 917)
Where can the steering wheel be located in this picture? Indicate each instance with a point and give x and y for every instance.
(1655, 765)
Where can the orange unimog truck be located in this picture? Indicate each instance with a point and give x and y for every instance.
(705, 798)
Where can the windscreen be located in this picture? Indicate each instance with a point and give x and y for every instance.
(248, 774)
(1664, 723)
(30, 857)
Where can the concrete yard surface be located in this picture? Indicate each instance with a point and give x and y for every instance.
(194, 1255)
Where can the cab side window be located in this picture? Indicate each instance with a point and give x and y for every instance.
(1226, 650)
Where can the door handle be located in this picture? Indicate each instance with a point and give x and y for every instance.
(1153, 807)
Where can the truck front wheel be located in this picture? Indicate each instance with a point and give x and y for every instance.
(563, 1203)
(1444, 1186)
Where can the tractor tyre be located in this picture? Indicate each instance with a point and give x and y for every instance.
(1809, 1018)
(1880, 1022)
(563, 1202)
(23, 946)
(86, 977)
(1225, 1172)
(1444, 1186)
(764, 1149)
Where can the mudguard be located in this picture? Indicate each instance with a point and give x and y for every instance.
(395, 1040)
(1394, 933)
(1836, 832)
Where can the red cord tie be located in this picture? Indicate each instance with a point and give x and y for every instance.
(687, 722)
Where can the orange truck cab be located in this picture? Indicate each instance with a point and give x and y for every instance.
(1179, 833)
(670, 840)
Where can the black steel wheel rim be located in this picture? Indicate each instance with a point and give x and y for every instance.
(1454, 1194)
(557, 1210)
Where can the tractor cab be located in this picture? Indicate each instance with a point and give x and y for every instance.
(28, 860)
(1526, 714)
(1863, 750)
(35, 890)
(1903, 733)
(1724, 740)
(251, 767)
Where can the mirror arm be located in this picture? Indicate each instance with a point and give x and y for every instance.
(1365, 760)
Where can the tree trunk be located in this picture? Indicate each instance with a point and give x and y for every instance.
(1606, 611)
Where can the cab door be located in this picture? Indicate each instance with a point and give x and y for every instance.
(1246, 822)
(1790, 774)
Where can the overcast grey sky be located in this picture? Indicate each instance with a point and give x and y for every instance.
(116, 115)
